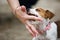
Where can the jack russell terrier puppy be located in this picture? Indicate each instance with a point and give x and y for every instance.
(50, 32)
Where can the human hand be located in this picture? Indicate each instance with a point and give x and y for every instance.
(22, 15)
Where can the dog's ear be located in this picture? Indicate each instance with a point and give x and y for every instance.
(49, 14)
(45, 13)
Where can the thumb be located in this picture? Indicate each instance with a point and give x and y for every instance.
(23, 8)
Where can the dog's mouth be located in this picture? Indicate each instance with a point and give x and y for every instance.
(32, 14)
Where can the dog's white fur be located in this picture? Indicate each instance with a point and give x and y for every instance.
(51, 34)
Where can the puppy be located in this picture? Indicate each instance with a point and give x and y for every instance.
(46, 15)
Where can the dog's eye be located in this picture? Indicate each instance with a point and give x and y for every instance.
(47, 10)
(37, 10)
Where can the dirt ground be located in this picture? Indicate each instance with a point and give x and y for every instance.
(14, 31)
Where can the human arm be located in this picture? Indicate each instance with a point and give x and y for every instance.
(21, 13)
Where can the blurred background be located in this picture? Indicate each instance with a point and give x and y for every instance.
(12, 29)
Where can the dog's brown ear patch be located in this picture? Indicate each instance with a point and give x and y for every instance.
(45, 13)
(41, 12)
(49, 14)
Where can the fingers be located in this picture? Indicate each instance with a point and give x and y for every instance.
(33, 18)
(30, 30)
(23, 8)
(21, 12)
(32, 27)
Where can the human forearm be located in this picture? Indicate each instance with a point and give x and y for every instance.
(13, 4)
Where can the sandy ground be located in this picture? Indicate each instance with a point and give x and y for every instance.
(14, 31)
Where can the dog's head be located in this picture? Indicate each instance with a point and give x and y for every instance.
(46, 15)
(42, 13)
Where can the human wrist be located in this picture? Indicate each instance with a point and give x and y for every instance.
(16, 9)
